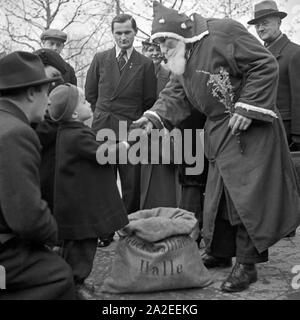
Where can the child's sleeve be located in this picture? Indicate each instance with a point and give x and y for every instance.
(87, 145)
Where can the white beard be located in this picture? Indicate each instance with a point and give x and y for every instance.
(176, 59)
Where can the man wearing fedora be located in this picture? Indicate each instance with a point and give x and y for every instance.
(27, 227)
(223, 71)
(267, 21)
(55, 39)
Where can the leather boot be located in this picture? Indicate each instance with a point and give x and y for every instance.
(241, 276)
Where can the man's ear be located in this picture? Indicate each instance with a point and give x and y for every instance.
(30, 94)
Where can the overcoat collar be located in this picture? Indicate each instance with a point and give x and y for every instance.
(130, 71)
(72, 124)
(278, 46)
(9, 107)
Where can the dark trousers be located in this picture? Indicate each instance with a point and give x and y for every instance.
(80, 254)
(34, 273)
(130, 176)
(231, 239)
(192, 200)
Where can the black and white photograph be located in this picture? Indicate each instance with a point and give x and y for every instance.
(149, 153)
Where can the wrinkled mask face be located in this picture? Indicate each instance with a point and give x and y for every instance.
(174, 52)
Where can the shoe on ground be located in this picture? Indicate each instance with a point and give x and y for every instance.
(241, 276)
(105, 242)
(213, 262)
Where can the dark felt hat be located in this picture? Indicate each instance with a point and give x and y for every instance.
(52, 58)
(22, 69)
(266, 9)
(54, 34)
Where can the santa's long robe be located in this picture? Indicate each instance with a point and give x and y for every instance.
(261, 182)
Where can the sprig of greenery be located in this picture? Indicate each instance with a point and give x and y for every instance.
(222, 90)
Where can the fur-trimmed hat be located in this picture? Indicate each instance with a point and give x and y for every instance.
(52, 58)
(169, 23)
(64, 99)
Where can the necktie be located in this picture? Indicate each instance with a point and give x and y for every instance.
(122, 60)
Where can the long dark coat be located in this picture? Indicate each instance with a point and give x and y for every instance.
(23, 213)
(87, 202)
(262, 181)
(159, 182)
(118, 97)
(287, 54)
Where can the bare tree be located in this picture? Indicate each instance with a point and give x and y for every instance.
(85, 22)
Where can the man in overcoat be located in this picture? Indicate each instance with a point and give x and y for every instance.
(120, 86)
(251, 196)
(267, 21)
(27, 227)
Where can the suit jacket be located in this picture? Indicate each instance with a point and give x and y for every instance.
(23, 213)
(87, 203)
(287, 54)
(118, 97)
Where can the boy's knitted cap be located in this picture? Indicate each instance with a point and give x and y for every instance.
(64, 100)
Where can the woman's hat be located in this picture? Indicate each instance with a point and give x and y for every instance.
(266, 9)
(22, 69)
(147, 42)
(64, 99)
(52, 58)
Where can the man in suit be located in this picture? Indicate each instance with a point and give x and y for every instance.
(27, 227)
(120, 86)
(267, 21)
(55, 40)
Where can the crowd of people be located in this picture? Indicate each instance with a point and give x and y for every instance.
(58, 204)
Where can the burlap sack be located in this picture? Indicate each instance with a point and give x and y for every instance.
(156, 253)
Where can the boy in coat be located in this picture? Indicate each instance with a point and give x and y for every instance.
(86, 201)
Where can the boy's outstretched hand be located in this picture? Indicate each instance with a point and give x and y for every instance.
(142, 123)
